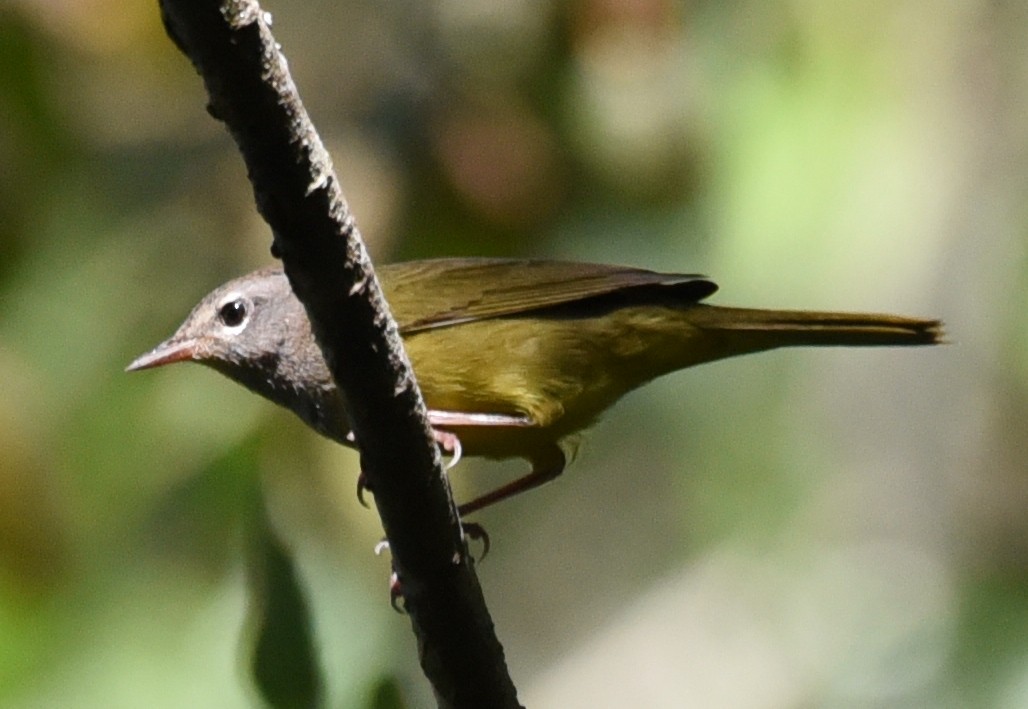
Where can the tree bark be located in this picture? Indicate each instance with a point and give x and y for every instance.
(250, 90)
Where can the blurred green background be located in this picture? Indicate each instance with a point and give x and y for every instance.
(795, 529)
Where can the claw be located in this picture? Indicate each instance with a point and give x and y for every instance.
(395, 589)
(475, 531)
(448, 443)
(362, 485)
(396, 593)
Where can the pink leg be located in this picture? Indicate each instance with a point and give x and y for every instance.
(545, 468)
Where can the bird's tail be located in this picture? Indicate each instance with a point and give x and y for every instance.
(766, 329)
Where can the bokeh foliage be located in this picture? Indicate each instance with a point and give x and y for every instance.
(794, 529)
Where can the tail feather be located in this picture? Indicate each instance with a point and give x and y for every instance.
(787, 328)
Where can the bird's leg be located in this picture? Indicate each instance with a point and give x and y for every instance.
(545, 467)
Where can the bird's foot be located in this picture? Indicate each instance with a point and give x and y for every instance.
(448, 443)
(476, 532)
(395, 588)
(396, 593)
(472, 530)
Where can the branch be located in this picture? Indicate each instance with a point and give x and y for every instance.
(249, 88)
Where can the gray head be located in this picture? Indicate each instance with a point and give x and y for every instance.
(254, 331)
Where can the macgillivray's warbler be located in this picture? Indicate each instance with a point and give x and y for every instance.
(512, 356)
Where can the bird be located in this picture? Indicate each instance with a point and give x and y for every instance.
(514, 357)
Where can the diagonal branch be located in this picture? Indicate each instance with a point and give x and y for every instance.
(249, 88)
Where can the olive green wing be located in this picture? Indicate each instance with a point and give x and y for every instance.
(443, 292)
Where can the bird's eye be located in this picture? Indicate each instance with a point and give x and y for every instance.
(233, 313)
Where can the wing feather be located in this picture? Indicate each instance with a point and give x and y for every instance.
(444, 292)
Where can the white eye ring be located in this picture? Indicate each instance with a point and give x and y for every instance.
(234, 312)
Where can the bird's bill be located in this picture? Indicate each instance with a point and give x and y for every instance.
(168, 352)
